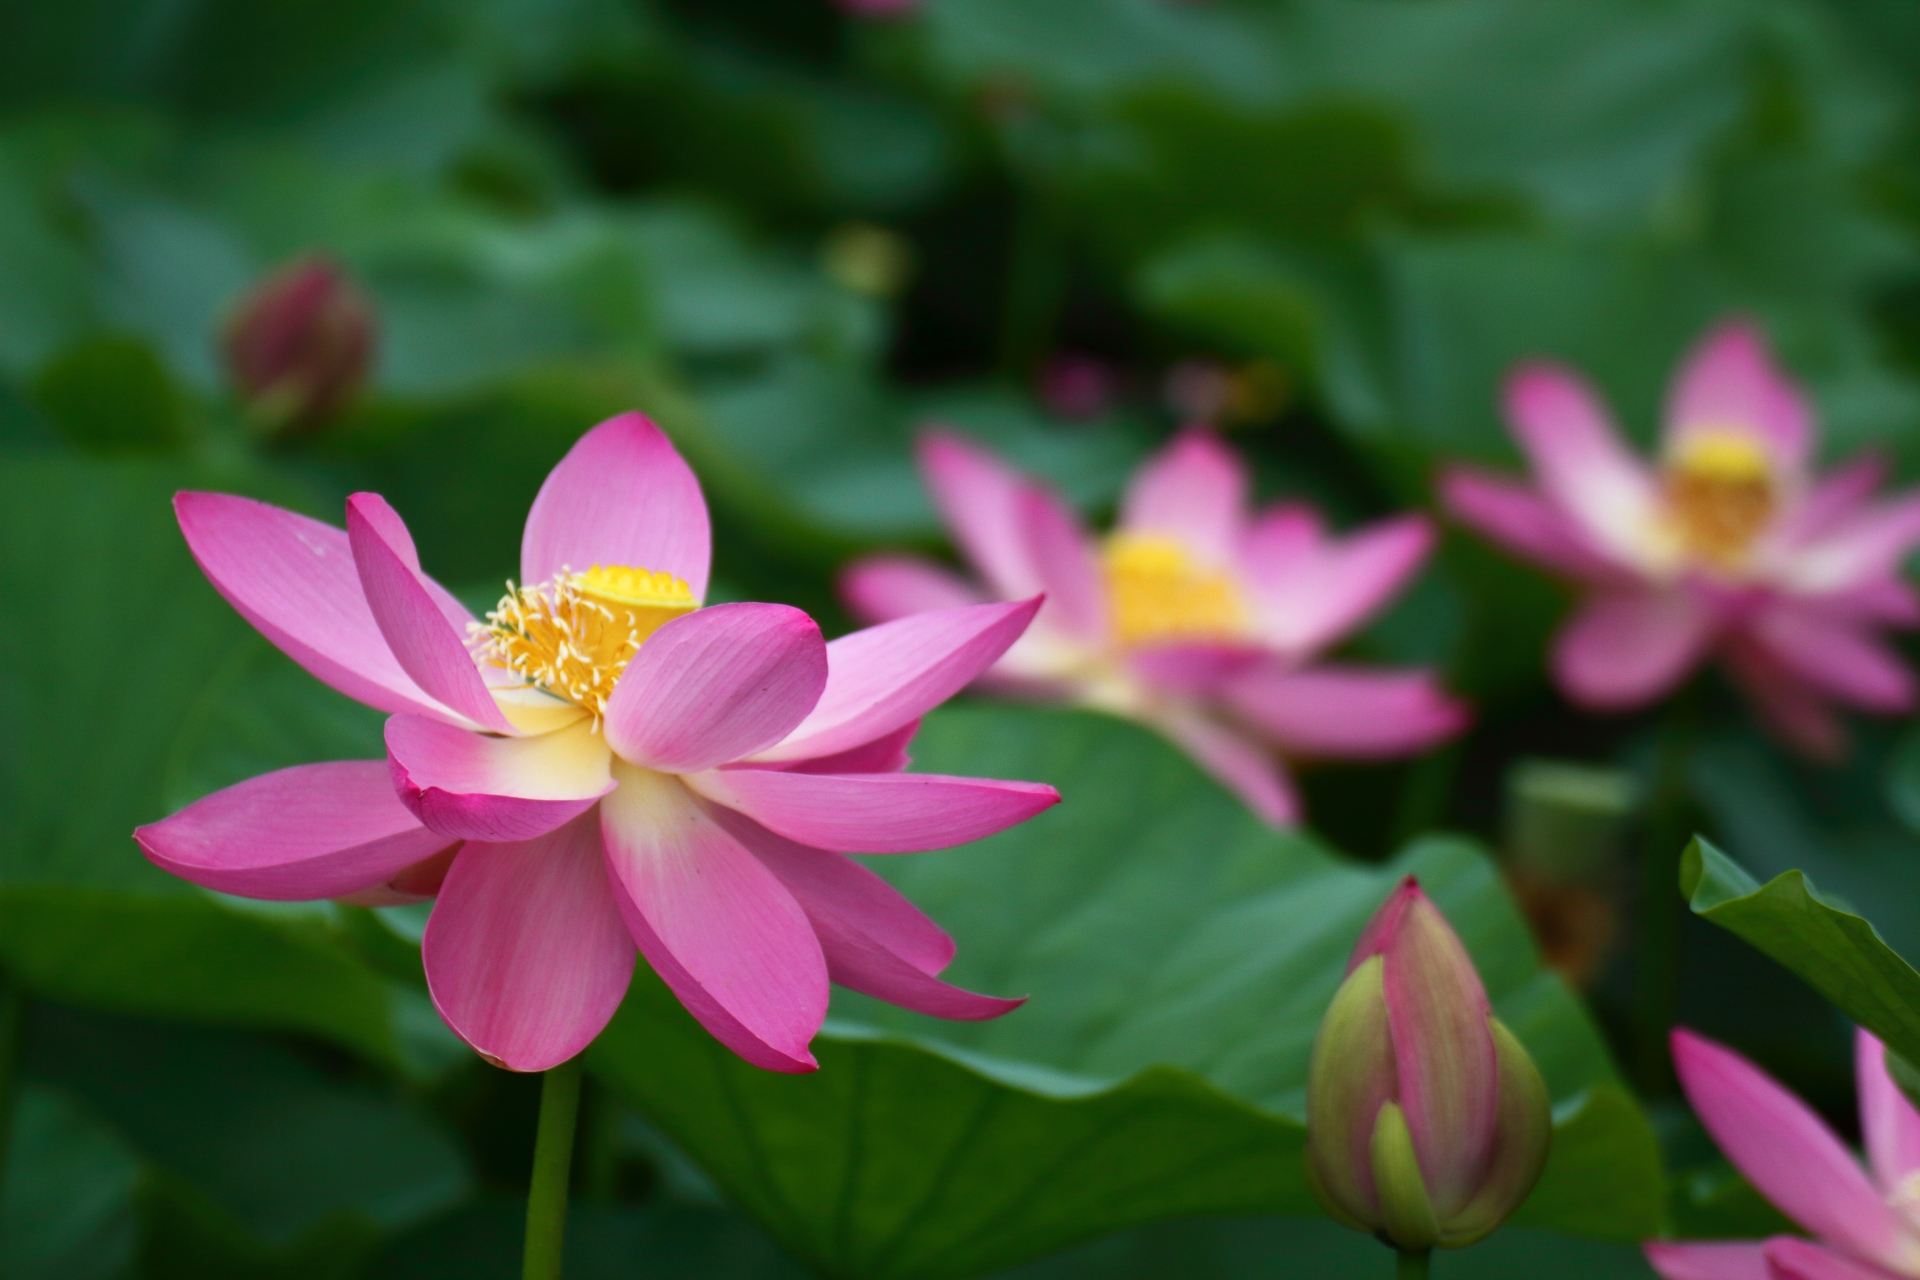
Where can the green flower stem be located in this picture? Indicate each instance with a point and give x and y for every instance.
(1657, 959)
(1413, 1264)
(552, 1159)
(12, 1007)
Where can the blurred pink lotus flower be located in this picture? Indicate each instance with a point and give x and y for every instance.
(1427, 1121)
(601, 764)
(1865, 1222)
(1730, 546)
(1194, 616)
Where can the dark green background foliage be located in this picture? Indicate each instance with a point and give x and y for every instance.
(566, 208)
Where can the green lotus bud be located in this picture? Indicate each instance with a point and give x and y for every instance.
(1427, 1123)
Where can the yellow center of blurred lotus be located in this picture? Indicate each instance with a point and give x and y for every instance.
(1719, 495)
(573, 636)
(1159, 594)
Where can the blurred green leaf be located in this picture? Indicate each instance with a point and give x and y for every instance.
(132, 654)
(261, 1132)
(1839, 952)
(481, 1241)
(1179, 956)
(112, 395)
(68, 1213)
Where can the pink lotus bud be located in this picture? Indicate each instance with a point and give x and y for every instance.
(1077, 387)
(299, 344)
(1427, 1123)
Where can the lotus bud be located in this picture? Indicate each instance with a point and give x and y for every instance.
(1427, 1123)
(299, 344)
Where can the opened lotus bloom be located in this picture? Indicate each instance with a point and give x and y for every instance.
(1194, 616)
(1427, 1122)
(1730, 545)
(601, 764)
(1865, 1222)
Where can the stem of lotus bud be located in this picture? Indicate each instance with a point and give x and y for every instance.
(12, 1009)
(552, 1161)
(1412, 1264)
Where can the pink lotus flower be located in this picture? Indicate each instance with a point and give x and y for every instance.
(1865, 1222)
(1193, 616)
(1730, 546)
(602, 764)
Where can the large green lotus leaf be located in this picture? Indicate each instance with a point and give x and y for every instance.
(271, 1138)
(1655, 89)
(1836, 949)
(125, 661)
(68, 1211)
(666, 1240)
(1179, 957)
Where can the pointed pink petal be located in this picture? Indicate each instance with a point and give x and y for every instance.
(393, 531)
(1193, 491)
(1526, 524)
(978, 497)
(859, 963)
(886, 754)
(1868, 544)
(1626, 647)
(294, 580)
(1833, 499)
(312, 831)
(1784, 1149)
(1317, 598)
(1249, 769)
(890, 675)
(1192, 668)
(525, 953)
(425, 644)
(1729, 383)
(875, 812)
(883, 588)
(1887, 602)
(1732, 1260)
(1888, 1122)
(717, 926)
(472, 786)
(1797, 714)
(1444, 1053)
(716, 686)
(1279, 538)
(1834, 656)
(1580, 463)
(1349, 713)
(621, 496)
(1791, 1258)
(875, 941)
(1069, 568)
(833, 884)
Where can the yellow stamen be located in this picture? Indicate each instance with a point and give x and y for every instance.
(1719, 494)
(1157, 593)
(573, 636)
